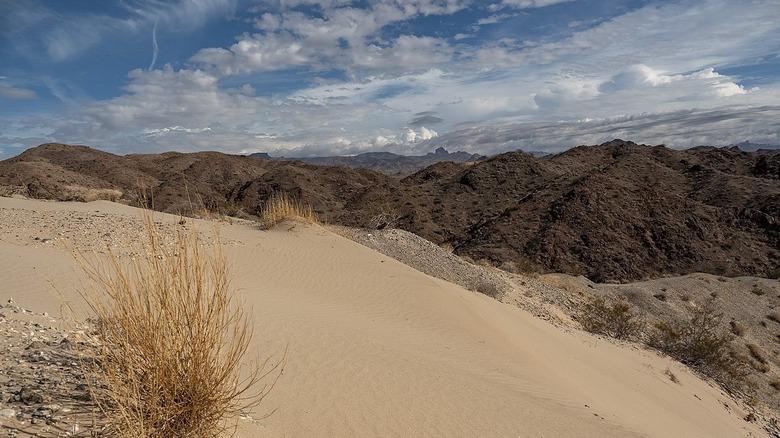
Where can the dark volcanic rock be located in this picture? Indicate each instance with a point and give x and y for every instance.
(617, 211)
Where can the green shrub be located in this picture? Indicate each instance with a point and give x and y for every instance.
(615, 319)
(700, 343)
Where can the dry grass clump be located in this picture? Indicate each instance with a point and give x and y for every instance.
(86, 194)
(280, 207)
(172, 341)
(615, 319)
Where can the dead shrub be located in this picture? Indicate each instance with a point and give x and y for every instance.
(699, 342)
(280, 207)
(610, 318)
(486, 287)
(86, 194)
(172, 341)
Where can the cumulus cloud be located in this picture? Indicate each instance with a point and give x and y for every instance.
(375, 78)
(345, 38)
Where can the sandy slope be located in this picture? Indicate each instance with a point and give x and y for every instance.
(376, 348)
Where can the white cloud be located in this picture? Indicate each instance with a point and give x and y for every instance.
(14, 93)
(527, 4)
(347, 38)
(636, 76)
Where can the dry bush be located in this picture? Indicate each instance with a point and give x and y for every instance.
(700, 343)
(737, 328)
(86, 194)
(610, 318)
(759, 362)
(280, 207)
(172, 341)
(486, 287)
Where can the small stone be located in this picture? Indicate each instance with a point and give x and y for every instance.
(7, 414)
(35, 345)
(37, 356)
(29, 396)
(42, 412)
(66, 345)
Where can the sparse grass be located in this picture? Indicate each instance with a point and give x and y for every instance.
(759, 362)
(280, 207)
(755, 353)
(172, 341)
(737, 328)
(86, 194)
(699, 343)
(615, 319)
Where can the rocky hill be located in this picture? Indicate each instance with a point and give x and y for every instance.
(614, 212)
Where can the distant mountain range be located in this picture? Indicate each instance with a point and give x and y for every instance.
(614, 212)
(386, 162)
(747, 146)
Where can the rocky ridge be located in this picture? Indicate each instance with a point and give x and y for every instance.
(615, 212)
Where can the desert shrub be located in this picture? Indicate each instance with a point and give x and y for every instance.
(699, 342)
(774, 316)
(757, 290)
(610, 318)
(486, 287)
(280, 207)
(86, 194)
(737, 328)
(171, 341)
(520, 265)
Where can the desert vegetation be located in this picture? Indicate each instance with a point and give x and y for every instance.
(697, 340)
(88, 194)
(610, 318)
(700, 342)
(172, 342)
(280, 207)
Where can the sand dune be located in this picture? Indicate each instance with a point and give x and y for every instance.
(376, 348)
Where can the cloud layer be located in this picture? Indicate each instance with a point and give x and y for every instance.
(334, 77)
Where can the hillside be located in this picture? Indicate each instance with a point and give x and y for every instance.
(614, 212)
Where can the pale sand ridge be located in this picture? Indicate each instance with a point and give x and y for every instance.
(376, 348)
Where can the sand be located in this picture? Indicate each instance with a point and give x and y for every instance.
(376, 348)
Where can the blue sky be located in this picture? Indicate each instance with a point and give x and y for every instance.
(301, 77)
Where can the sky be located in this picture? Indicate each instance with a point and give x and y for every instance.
(340, 77)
